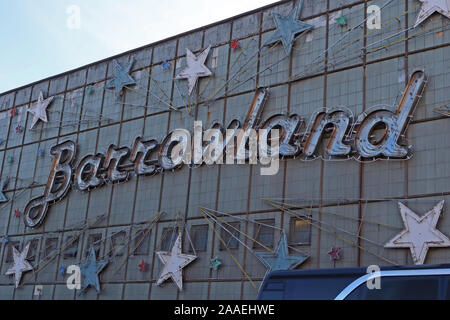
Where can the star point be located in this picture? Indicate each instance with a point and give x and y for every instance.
(3, 185)
(420, 233)
(288, 27)
(281, 259)
(195, 68)
(20, 264)
(431, 6)
(121, 78)
(39, 109)
(174, 262)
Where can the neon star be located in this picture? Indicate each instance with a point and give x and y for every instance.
(143, 266)
(90, 271)
(195, 68)
(420, 233)
(121, 78)
(39, 109)
(235, 45)
(20, 264)
(431, 6)
(281, 259)
(174, 262)
(335, 253)
(288, 27)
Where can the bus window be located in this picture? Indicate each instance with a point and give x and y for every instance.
(273, 290)
(316, 288)
(400, 288)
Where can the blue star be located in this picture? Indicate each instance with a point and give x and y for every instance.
(281, 259)
(166, 65)
(121, 78)
(288, 27)
(62, 270)
(90, 271)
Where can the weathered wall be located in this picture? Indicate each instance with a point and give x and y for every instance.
(353, 77)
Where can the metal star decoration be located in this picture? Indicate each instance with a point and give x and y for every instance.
(90, 271)
(342, 21)
(335, 253)
(431, 6)
(195, 68)
(39, 109)
(3, 185)
(166, 65)
(215, 263)
(121, 78)
(20, 265)
(420, 233)
(143, 266)
(281, 259)
(62, 270)
(288, 27)
(235, 45)
(174, 262)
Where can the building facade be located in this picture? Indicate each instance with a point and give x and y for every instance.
(228, 215)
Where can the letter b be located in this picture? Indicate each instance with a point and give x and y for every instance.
(57, 186)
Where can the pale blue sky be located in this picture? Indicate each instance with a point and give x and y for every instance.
(37, 42)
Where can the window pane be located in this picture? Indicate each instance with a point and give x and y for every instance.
(94, 241)
(231, 241)
(11, 244)
(33, 251)
(71, 251)
(300, 232)
(264, 234)
(51, 245)
(199, 237)
(169, 236)
(142, 241)
(117, 245)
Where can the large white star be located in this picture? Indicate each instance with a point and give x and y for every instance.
(39, 109)
(195, 68)
(20, 265)
(174, 262)
(431, 6)
(420, 233)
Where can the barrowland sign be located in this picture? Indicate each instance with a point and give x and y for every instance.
(378, 133)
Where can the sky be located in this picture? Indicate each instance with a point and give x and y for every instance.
(42, 38)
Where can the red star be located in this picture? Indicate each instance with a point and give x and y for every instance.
(17, 213)
(335, 253)
(143, 266)
(13, 112)
(235, 45)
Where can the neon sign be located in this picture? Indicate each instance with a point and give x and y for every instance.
(375, 134)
